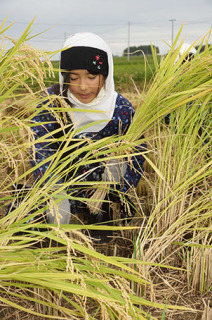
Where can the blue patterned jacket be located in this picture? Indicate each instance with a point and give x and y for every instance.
(122, 117)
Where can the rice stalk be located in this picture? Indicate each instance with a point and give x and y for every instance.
(180, 158)
(207, 313)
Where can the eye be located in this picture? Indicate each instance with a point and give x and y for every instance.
(73, 78)
(92, 77)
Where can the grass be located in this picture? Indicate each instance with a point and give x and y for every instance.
(132, 75)
(156, 267)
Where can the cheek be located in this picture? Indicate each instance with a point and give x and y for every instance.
(72, 88)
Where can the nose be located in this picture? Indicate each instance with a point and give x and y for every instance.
(83, 85)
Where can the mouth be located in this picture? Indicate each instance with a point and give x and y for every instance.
(85, 96)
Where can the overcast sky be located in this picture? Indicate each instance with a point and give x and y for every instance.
(116, 21)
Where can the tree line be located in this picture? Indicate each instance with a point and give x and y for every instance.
(139, 50)
(147, 50)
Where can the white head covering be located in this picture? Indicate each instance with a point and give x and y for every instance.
(106, 99)
(186, 48)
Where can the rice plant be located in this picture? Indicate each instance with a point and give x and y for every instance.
(178, 230)
(55, 271)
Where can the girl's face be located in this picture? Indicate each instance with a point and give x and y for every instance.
(84, 85)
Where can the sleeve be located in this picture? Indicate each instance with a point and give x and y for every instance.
(45, 123)
(134, 169)
(119, 124)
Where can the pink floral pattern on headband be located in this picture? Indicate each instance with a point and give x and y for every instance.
(97, 62)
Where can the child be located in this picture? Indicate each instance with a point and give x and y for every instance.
(187, 50)
(86, 82)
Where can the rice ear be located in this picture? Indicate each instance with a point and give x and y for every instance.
(97, 199)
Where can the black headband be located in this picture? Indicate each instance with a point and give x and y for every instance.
(88, 58)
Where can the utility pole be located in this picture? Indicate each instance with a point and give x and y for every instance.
(172, 21)
(128, 50)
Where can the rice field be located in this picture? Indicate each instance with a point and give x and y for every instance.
(158, 266)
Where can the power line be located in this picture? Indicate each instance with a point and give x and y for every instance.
(143, 23)
(66, 24)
